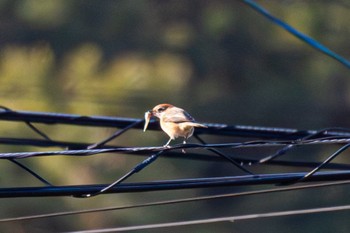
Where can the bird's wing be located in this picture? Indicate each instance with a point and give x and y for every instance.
(177, 115)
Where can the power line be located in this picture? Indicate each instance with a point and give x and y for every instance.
(178, 201)
(261, 179)
(192, 155)
(285, 138)
(248, 144)
(122, 122)
(307, 39)
(223, 219)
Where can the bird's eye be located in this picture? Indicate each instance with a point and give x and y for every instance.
(161, 109)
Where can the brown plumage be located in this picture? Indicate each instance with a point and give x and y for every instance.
(174, 121)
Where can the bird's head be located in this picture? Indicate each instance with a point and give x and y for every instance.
(157, 111)
(160, 109)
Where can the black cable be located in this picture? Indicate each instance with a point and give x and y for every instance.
(27, 169)
(31, 172)
(310, 41)
(120, 122)
(285, 149)
(228, 158)
(133, 150)
(116, 134)
(178, 201)
(289, 138)
(228, 181)
(170, 154)
(325, 162)
(136, 169)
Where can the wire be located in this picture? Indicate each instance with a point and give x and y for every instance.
(170, 154)
(287, 138)
(224, 219)
(35, 129)
(116, 134)
(291, 146)
(328, 160)
(310, 41)
(136, 169)
(44, 181)
(195, 183)
(248, 144)
(287, 148)
(121, 122)
(177, 201)
(228, 158)
(27, 169)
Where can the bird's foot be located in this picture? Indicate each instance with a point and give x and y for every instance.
(183, 150)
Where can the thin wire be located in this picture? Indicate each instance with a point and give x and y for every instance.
(26, 168)
(120, 122)
(44, 181)
(287, 148)
(136, 169)
(323, 137)
(176, 201)
(307, 39)
(170, 154)
(320, 166)
(248, 144)
(223, 219)
(147, 162)
(228, 158)
(36, 130)
(195, 183)
(116, 134)
(325, 162)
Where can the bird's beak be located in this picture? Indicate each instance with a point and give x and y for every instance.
(148, 116)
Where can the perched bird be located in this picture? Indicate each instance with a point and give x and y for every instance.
(174, 121)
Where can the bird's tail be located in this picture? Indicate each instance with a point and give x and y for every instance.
(194, 124)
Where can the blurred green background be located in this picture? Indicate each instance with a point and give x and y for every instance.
(219, 60)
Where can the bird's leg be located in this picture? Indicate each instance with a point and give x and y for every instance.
(183, 150)
(167, 144)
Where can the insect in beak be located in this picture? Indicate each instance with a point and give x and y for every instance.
(148, 116)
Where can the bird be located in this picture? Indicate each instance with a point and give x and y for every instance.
(174, 121)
